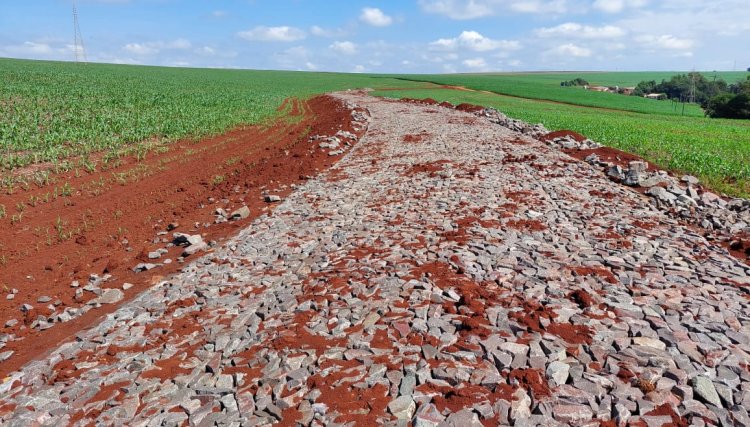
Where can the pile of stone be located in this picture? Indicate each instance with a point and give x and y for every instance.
(501, 293)
(534, 131)
(684, 198)
(723, 218)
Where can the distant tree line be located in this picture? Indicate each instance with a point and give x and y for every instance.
(575, 82)
(716, 97)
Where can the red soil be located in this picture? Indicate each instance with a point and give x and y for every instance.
(582, 298)
(469, 108)
(562, 134)
(532, 380)
(666, 410)
(415, 138)
(430, 168)
(113, 216)
(611, 155)
(602, 272)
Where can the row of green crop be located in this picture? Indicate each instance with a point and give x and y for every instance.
(52, 110)
(717, 151)
(546, 86)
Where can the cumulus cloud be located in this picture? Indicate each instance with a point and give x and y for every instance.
(273, 34)
(154, 47)
(375, 17)
(666, 41)
(475, 64)
(474, 41)
(570, 49)
(345, 47)
(574, 30)
(617, 6)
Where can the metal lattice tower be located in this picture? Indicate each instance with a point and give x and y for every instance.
(79, 49)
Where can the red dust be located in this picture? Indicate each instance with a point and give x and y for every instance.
(532, 380)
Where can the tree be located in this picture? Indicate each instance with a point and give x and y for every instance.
(644, 88)
(575, 82)
(729, 106)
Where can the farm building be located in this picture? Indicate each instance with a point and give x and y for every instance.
(655, 96)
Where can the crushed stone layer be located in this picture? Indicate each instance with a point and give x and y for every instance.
(447, 271)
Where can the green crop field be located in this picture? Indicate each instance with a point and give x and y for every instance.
(53, 110)
(547, 86)
(715, 150)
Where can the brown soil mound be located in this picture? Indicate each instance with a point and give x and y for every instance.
(612, 155)
(469, 108)
(562, 134)
(106, 222)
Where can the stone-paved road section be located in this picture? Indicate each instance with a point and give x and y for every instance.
(445, 272)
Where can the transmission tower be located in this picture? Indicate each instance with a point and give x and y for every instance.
(79, 49)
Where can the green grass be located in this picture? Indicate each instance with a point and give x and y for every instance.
(547, 86)
(715, 150)
(53, 110)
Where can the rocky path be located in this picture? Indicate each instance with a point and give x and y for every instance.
(447, 270)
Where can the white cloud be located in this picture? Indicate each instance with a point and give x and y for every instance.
(359, 69)
(474, 41)
(375, 17)
(536, 6)
(666, 41)
(345, 47)
(475, 63)
(458, 9)
(473, 9)
(140, 49)
(574, 30)
(273, 34)
(30, 48)
(617, 6)
(310, 66)
(570, 49)
(154, 47)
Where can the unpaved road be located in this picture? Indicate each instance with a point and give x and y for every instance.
(446, 269)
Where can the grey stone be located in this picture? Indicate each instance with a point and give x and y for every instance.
(402, 407)
(558, 372)
(109, 296)
(705, 390)
(240, 213)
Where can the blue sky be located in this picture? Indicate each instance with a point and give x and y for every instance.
(420, 36)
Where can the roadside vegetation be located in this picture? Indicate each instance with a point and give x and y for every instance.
(51, 111)
(86, 117)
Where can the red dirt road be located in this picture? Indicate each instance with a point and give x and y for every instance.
(110, 219)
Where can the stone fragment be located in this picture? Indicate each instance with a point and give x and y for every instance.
(558, 372)
(240, 213)
(427, 416)
(402, 407)
(705, 390)
(572, 414)
(109, 296)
